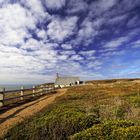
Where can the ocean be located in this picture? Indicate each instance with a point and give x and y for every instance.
(14, 87)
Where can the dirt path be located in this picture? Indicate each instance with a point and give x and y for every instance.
(22, 112)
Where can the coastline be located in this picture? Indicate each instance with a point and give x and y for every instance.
(14, 87)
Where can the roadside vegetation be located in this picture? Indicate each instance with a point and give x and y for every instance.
(96, 111)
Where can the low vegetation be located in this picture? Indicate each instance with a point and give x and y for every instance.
(111, 130)
(96, 111)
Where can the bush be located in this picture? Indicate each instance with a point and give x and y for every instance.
(109, 130)
(136, 101)
(130, 133)
(93, 133)
(120, 112)
(64, 121)
(59, 123)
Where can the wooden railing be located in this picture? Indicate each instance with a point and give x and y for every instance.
(15, 96)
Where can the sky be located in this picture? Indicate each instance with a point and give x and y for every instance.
(92, 39)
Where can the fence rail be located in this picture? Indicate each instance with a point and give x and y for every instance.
(14, 96)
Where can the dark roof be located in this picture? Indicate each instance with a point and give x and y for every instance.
(66, 80)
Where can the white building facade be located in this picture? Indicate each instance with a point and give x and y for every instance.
(66, 81)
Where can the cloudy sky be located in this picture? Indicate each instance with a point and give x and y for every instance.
(93, 39)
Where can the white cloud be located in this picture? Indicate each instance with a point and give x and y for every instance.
(100, 6)
(70, 67)
(19, 64)
(67, 52)
(42, 34)
(55, 4)
(88, 30)
(135, 44)
(107, 53)
(94, 64)
(118, 19)
(133, 22)
(24, 58)
(66, 46)
(46, 54)
(116, 43)
(76, 57)
(31, 44)
(22, 65)
(4, 2)
(36, 8)
(76, 6)
(89, 54)
(106, 4)
(14, 22)
(60, 29)
(13, 57)
(1, 1)
(20, 79)
(126, 5)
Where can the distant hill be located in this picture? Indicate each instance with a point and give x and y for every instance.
(112, 81)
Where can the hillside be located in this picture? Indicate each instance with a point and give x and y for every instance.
(97, 111)
(105, 81)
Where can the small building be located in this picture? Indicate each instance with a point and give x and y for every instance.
(66, 81)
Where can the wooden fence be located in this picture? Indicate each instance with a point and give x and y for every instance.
(15, 96)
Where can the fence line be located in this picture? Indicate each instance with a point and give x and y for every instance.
(14, 96)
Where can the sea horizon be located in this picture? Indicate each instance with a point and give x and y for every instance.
(15, 86)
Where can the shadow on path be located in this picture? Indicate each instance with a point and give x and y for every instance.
(2, 120)
(8, 107)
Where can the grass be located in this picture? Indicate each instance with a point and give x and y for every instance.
(84, 112)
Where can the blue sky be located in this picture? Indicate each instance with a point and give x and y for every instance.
(92, 39)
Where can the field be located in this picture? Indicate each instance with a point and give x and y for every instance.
(99, 110)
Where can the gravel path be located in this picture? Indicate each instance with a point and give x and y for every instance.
(22, 112)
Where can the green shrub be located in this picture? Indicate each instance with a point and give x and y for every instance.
(121, 112)
(130, 133)
(107, 130)
(93, 133)
(61, 122)
(136, 101)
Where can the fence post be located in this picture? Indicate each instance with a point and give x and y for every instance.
(41, 90)
(47, 89)
(53, 89)
(2, 97)
(44, 89)
(50, 89)
(33, 91)
(21, 93)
